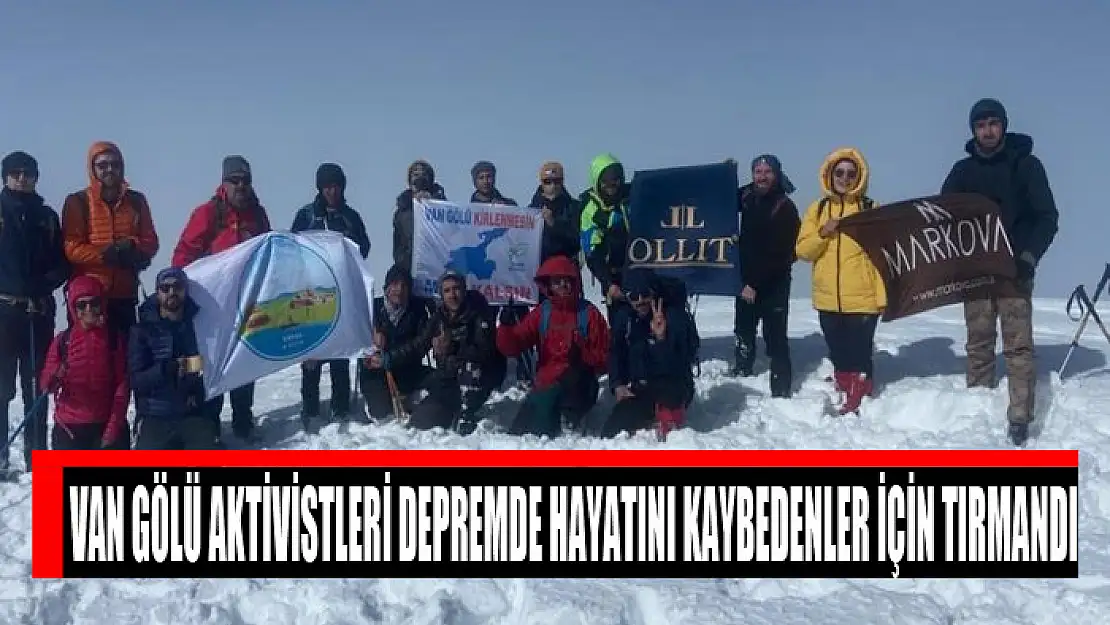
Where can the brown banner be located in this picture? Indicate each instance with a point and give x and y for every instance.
(935, 251)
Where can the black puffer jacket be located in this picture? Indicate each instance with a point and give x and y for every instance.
(344, 220)
(473, 342)
(561, 238)
(769, 227)
(1015, 179)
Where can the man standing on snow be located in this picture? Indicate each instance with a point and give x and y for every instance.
(329, 211)
(603, 227)
(561, 213)
(32, 267)
(1001, 165)
(769, 225)
(110, 233)
(422, 185)
(233, 215)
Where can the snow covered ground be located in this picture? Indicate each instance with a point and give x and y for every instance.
(921, 403)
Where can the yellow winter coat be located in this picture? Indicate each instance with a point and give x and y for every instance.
(844, 278)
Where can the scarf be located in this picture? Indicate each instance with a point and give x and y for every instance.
(394, 312)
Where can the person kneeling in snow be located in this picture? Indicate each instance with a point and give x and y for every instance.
(650, 358)
(169, 393)
(86, 370)
(572, 338)
(468, 366)
(400, 321)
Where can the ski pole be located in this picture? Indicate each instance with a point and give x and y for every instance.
(27, 415)
(1080, 292)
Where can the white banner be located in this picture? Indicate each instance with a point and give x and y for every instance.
(277, 300)
(496, 247)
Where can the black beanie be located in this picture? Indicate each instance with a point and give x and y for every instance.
(330, 174)
(481, 166)
(19, 161)
(988, 107)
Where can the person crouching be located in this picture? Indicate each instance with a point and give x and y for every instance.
(165, 374)
(572, 337)
(649, 356)
(468, 367)
(86, 371)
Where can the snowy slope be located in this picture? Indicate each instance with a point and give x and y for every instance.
(921, 404)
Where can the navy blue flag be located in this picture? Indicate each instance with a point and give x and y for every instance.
(683, 223)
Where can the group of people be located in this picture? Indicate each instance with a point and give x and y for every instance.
(117, 346)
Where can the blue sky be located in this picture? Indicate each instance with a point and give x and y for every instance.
(375, 85)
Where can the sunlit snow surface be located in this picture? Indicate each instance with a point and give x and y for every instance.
(921, 403)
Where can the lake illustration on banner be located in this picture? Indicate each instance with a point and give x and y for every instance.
(290, 301)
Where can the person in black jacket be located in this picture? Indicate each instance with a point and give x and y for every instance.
(400, 321)
(484, 176)
(422, 186)
(561, 214)
(329, 211)
(32, 267)
(769, 225)
(1001, 166)
(468, 367)
(162, 362)
(650, 359)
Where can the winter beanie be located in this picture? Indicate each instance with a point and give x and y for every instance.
(773, 162)
(988, 107)
(172, 273)
(420, 163)
(235, 164)
(452, 274)
(19, 161)
(479, 167)
(330, 174)
(551, 170)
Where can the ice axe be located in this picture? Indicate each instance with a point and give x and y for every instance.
(1087, 306)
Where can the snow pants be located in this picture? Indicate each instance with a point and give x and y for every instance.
(1015, 315)
(194, 432)
(24, 339)
(340, 372)
(375, 389)
(771, 308)
(242, 407)
(659, 399)
(543, 411)
(850, 338)
(448, 404)
(81, 436)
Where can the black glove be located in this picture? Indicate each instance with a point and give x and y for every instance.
(1025, 269)
(507, 316)
(110, 256)
(601, 219)
(574, 354)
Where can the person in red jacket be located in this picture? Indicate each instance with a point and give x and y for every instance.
(573, 341)
(232, 216)
(86, 371)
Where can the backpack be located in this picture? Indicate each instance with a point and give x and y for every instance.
(63, 344)
(866, 204)
(673, 293)
(583, 317)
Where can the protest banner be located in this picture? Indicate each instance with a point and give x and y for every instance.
(935, 251)
(496, 247)
(683, 224)
(277, 300)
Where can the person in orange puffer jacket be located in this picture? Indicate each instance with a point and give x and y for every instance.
(109, 233)
(86, 371)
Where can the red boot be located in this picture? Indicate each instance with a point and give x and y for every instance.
(667, 420)
(841, 381)
(858, 386)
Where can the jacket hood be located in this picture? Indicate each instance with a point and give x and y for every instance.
(1015, 143)
(835, 157)
(600, 163)
(82, 287)
(95, 150)
(558, 267)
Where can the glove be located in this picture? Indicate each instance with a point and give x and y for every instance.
(110, 256)
(574, 354)
(601, 219)
(1026, 267)
(507, 316)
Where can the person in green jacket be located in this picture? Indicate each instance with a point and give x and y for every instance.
(604, 226)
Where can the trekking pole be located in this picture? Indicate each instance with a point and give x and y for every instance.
(1080, 296)
(27, 415)
(1086, 303)
(395, 396)
(39, 399)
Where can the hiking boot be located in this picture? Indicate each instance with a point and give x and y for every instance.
(742, 361)
(1018, 433)
(780, 386)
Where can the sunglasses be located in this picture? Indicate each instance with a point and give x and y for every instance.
(171, 287)
(239, 181)
(562, 281)
(550, 181)
(848, 174)
(92, 303)
(107, 165)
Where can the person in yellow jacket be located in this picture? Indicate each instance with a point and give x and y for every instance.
(848, 291)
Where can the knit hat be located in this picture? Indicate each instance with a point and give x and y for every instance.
(420, 163)
(452, 274)
(551, 169)
(639, 282)
(481, 166)
(397, 273)
(170, 274)
(773, 162)
(330, 174)
(987, 107)
(236, 164)
(19, 161)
